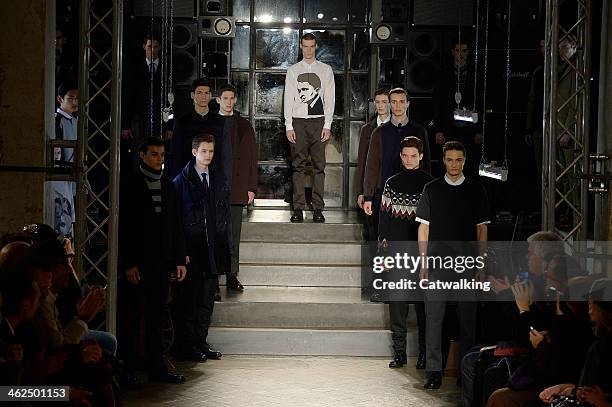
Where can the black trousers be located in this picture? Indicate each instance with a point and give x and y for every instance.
(236, 211)
(435, 310)
(194, 302)
(147, 298)
(398, 313)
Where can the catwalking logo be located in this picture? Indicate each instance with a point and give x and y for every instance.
(413, 264)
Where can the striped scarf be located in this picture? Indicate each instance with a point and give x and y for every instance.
(153, 179)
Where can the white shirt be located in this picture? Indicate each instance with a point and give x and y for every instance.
(155, 63)
(201, 174)
(314, 96)
(379, 122)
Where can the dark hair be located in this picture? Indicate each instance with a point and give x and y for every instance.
(50, 252)
(381, 91)
(150, 142)
(150, 36)
(66, 87)
(16, 287)
(200, 82)
(203, 138)
(308, 37)
(412, 141)
(399, 91)
(227, 88)
(453, 145)
(40, 232)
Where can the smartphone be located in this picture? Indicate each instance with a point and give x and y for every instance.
(523, 277)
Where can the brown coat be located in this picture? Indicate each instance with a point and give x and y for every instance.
(244, 160)
(362, 154)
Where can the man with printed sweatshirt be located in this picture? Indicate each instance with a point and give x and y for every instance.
(309, 110)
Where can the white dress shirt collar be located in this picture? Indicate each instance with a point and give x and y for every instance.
(454, 183)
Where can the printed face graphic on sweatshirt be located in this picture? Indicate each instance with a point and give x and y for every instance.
(309, 85)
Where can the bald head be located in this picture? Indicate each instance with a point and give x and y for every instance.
(12, 254)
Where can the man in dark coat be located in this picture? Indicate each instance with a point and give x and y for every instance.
(205, 221)
(244, 172)
(142, 103)
(151, 247)
(195, 123)
(454, 80)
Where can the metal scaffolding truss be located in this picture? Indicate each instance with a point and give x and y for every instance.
(98, 147)
(566, 118)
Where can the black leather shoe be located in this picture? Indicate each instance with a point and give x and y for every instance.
(297, 216)
(420, 364)
(317, 216)
(218, 294)
(234, 285)
(167, 377)
(434, 381)
(376, 297)
(399, 360)
(194, 356)
(210, 352)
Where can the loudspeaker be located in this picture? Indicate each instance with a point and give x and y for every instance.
(389, 33)
(222, 26)
(185, 52)
(443, 12)
(212, 8)
(424, 58)
(182, 8)
(389, 21)
(390, 11)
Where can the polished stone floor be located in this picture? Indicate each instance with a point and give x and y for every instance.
(238, 381)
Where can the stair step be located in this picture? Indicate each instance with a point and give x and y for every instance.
(307, 342)
(299, 276)
(346, 254)
(300, 307)
(301, 232)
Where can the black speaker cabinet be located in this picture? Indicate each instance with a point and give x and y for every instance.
(212, 8)
(185, 51)
(424, 58)
(443, 12)
(182, 8)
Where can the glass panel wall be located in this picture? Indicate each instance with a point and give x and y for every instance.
(266, 44)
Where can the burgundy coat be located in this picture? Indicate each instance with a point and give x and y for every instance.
(244, 160)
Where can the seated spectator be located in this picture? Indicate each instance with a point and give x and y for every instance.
(559, 352)
(21, 297)
(595, 384)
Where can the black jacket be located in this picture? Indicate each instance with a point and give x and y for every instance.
(205, 218)
(140, 99)
(194, 124)
(146, 238)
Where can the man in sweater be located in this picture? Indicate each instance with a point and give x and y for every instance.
(244, 172)
(383, 159)
(452, 208)
(151, 246)
(397, 224)
(309, 110)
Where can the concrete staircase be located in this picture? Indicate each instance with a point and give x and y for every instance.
(302, 292)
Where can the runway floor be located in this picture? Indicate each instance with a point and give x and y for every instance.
(236, 381)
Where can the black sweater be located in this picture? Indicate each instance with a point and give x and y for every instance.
(398, 206)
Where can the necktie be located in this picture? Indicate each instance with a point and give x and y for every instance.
(205, 180)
